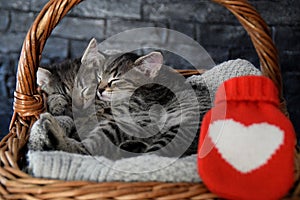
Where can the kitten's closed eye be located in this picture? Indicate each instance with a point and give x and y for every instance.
(112, 81)
(105, 90)
(120, 87)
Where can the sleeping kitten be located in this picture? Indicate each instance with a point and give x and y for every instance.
(116, 106)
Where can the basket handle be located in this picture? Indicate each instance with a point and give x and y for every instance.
(28, 103)
(260, 36)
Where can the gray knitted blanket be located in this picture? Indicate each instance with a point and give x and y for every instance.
(66, 166)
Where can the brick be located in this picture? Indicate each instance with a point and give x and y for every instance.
(4, 20)
(176, 61)
(14, 59)
(4, 123)
(78, 47)
(117, 26)
(6, 110)
(176, 40)
(8, 68)
(82, 29)
(247, 54)
(291, 88)
(11, 85)
(289, 60)
(139, 38)
(45, 61)
(11, 42)
(223, 36)
(200, 11)
(188, 56)
(185, 28)
(4, 62)
(21, 21)
(279, 12)
(3, 91)
(292, 85)
(56, 49)
(37, 5)
(287, 38)
(178, 37)
(109, 8)
(217, 54)
(15, 4)
(168, 10)
(210, 12)
(170, 59)
(213, 26)
(294, 117)
(124, 46)
(206, 11)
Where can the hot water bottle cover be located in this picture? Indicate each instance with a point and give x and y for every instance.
(246, 147)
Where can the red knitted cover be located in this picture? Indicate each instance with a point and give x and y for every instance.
(246, 148)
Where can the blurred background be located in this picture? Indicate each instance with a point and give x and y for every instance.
(215, 28)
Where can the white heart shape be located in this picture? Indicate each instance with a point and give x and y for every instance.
(245, 148)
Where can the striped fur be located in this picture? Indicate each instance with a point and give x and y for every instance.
(164, 116)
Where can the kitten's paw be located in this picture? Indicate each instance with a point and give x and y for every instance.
(38, 139)
(67, 124)
(46, 133)
(49, 133)
(57, 104)
(56, 134)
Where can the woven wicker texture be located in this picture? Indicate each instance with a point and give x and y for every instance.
(29, 103)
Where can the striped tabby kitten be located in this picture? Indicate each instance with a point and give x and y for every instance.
(116, 106)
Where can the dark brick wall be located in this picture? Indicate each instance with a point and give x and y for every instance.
(209, 24)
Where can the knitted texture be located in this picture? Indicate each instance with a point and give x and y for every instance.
(67, 166)
(61, 165)
(246, 148)
(233, 68)
(248, 89)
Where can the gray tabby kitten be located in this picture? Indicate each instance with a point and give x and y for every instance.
(117, 106)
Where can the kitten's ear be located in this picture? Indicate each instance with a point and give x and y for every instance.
(43, 76)
(91, 52)
(150, 64)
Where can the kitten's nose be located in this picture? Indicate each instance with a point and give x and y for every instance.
(101, 90)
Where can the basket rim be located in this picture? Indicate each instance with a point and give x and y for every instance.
(16, 184)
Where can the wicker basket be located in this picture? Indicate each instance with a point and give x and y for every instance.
(29, 103)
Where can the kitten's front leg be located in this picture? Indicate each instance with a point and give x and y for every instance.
(48, 133)
(38, 139)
